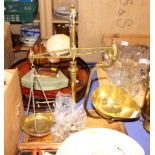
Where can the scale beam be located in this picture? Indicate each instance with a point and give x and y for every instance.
(73, 52)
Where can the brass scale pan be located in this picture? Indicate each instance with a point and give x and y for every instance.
(114, 103)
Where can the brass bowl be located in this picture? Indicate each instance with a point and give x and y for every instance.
(38, 124)
(114, 103)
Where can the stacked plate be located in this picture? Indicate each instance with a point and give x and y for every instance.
(62, 12)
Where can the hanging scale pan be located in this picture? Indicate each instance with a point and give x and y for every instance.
(38, 124)
(114, 103)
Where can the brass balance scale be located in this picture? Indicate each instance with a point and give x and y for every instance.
(109, 102)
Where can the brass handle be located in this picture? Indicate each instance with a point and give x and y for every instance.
(87, 94)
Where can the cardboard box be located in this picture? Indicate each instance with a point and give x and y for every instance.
(8, 51)
(13, 111)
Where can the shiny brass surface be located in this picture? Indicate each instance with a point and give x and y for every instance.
(73, 66)
(146, 109)
(38, 124)
(87, 94)
(103, 67)
(73, 72)
(114, 103)
(72, 27)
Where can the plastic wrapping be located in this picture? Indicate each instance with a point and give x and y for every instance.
(68, 117)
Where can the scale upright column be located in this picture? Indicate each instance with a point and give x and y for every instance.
(73, 65)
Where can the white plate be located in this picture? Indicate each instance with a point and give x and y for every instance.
(62, 10)
(99, 141)
(61, 16)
